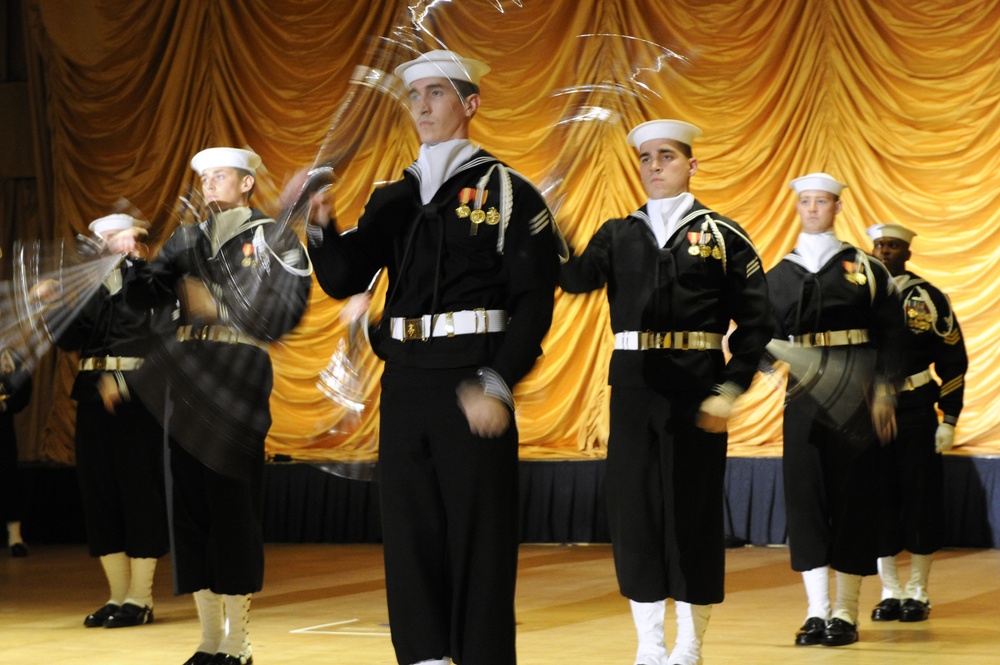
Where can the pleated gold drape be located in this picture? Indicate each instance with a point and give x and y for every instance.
(900, 99)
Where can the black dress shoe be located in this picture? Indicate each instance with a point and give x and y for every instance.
(225, 659)
(130, 615)
(18, 550)
(839, 632)
(887, 610)
(200, 658)
(914, 610)
(97, 619)
(811, 632)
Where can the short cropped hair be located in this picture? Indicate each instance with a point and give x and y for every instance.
(464, 88)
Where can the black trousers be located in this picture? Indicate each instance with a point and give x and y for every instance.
(218, 540)
(11, 503)
(119, 466)
(832, 494)
(450, 524)
(914, 478)
(665, 488)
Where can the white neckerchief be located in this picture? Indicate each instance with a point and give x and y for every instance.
(665, 213)
(227, 225)
(113, 282)
(817, 248)
(439, 162)
(901, 281)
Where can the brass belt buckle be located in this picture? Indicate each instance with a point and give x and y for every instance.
(99, 363)
(486, 320)
(413, 329)
(821, 339)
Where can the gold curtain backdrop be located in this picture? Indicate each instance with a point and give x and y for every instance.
(900, 99)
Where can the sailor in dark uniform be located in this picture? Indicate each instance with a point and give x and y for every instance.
(243, 281)
(833, 299)
(470, 250)
(118, 441)
(915, 474)
(15, 393)
(676, 274)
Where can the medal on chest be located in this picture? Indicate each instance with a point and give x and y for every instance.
(854, 273)
(700, 245)
(476, 215)
(919, 316)
(464, 196)
(248, 255)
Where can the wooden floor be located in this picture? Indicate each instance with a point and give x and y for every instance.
(325, 604)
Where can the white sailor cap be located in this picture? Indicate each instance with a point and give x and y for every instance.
(118, 222)
(675, 130)
(236, 158)
(442, 64)
(897, 231)
(823, 182)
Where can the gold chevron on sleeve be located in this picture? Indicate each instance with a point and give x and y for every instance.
(952, 385)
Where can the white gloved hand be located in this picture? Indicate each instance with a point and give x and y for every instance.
(944, 438)
(884, 419)
(108, 389)
(714, 413)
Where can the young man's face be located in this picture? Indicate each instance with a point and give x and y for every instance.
(224, 187)
(665, 170)
(893, 253)
(817, 209)
(438, 112)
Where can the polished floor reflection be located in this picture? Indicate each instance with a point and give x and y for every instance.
(326, 604)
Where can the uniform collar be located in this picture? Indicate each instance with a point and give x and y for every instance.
(223, 226)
